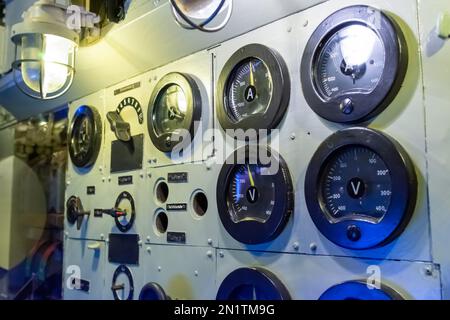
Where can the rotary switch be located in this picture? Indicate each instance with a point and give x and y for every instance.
(75, 211)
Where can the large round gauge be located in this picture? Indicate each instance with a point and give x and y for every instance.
(353, 65)
(360, 290)
(125, 203)
(153, 292)
(360, 188)
(252, 284)
(254, 197)
(85, 137)
(253, 91)
(122, 285)
(175, 106)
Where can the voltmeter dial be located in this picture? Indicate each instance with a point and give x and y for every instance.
(360, 188)
(85, 137)
(255, 199)
(353, 65)
(174, 107)
(253, 90)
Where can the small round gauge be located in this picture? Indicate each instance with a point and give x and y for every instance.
(122, 285)
(360, 188)
(353, 65)
(125, 203)
(255, 199)
(175, 106)
(85, 137)
(253, 89)
(252, 284)
(360, 290)
(153, 292)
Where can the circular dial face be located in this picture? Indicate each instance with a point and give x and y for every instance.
(360, 290)
(250, 90)
(170, 110)
(351, 62)
(251, 193)
(353, 65)
(85, 137)
(175, 106)
(360, 188)
(356, 184)
(252, 284)
(82, 136)
(254, 199)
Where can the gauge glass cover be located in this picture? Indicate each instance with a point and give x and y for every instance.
(351, 62)
(170, 110)
(250, 90)
(356, 184)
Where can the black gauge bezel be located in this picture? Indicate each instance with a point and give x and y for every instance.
(365, 106)
(94, 118)
(253, 232)
(194, 108)
(404, 190)
(263, 278)
(281, 89)
(125, 196)
(343, 291)
(156, 289)
(125, 270)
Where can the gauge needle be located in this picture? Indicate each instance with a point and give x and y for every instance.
(252, 77)
(252, 182)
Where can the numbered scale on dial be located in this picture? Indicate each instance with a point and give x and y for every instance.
(122, 285)
(254, 197)
(175, 106)
(360, 188)
(353, 65)
(252, 284)
(360, 290)
(253, 91)
(85, 136)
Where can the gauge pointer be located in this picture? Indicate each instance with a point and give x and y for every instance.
(252, 192)
(252, 76)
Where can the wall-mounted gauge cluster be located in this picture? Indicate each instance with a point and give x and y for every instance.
(253, 90)
(360, 290)
(85, 136)
(360, 188)
(175, 106)
(311, 208)
(254, 196)
(353, 65)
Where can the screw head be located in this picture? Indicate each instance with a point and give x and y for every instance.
(296, 246)
(313, 246)
(210, 241)
(221, 254)
(209, 254)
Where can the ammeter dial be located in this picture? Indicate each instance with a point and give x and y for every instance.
(253, 89)
(360, 188)
(174, 107)
(85, 137)
(353, 65)
(255, 199)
